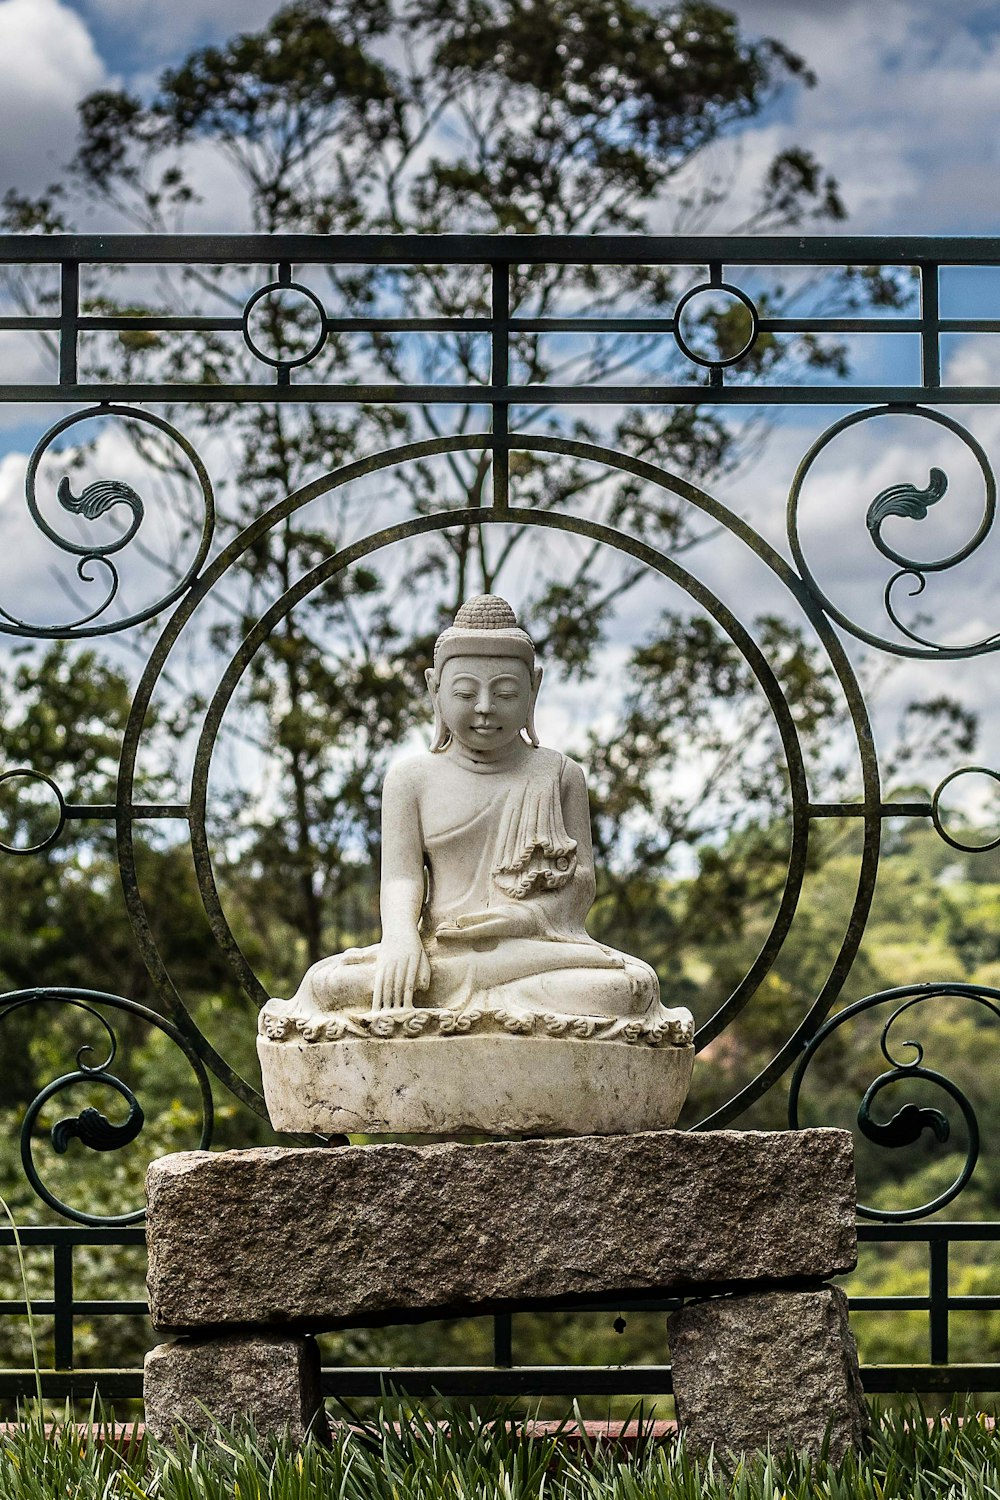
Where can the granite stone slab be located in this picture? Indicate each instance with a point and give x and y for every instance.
(320, 1238)
(271, 1380)
(776, 1369)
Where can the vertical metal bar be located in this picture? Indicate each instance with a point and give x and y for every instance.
(283, 375)
(62, 1296)
(939, 1301)
(500, 375)
(716, 376)
(930, 333)
(69, 314)
(503, 1340)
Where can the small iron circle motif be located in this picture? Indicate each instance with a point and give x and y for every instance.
(699, 291)
(938, 821)
(270, 290)
(26, 774)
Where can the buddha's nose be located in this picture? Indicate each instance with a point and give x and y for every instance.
(483, 702)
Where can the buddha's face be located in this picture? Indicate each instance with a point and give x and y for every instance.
(484, 701)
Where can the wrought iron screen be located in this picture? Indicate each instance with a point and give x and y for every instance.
(676, 371)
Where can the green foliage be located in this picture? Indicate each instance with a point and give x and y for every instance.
(449, 1450)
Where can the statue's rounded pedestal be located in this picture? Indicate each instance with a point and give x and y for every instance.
(490, 1084)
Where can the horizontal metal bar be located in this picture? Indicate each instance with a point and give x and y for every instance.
(887, 1379)
(978, 1303)
(85, 1308)
(955, 1229)
(76, 1234)
(552, 1380)
(85, 810)
(517, 395)
(82, 1308)
(176, 323)
(488, 1380)
(859, 810)
(28, 323)
(59, 1385)
(470, 249)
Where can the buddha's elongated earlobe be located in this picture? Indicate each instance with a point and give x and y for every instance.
(530, 731)
(441, 733)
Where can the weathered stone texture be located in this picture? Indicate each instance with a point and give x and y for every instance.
(776, 1368)
(312, 1238)
(474, 1085)
(272, 1380)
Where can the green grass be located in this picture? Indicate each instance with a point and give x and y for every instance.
(454, 1453)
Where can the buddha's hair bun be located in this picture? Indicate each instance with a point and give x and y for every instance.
(485, 612)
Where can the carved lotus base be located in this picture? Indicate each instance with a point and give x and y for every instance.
(491, 1084)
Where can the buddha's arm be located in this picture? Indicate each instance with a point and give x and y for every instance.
(579, 894)
(402, 965)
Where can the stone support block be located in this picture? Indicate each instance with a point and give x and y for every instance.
(319, 1238)
(272, 1380)
(773, 1368)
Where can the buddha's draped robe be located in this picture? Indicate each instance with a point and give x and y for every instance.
(515, 861)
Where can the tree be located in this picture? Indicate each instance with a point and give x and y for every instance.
(65, 923)
(568, 116)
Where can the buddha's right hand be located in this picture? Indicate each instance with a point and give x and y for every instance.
(401, 968)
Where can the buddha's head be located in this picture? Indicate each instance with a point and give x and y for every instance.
(484, 681)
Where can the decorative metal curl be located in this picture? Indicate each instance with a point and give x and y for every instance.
(96, 499)
(908, 501)
(90, 1126)
(909, 1122)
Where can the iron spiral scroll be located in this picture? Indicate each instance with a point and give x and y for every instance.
(97, 499)
(912, 502)
(910, 1121)
(90, 1125)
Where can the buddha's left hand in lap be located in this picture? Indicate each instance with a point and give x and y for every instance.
(509, 923)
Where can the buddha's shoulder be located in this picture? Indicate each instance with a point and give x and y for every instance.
(411, 774)
(560, 766)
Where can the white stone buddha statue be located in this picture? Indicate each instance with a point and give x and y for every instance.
(487, 881)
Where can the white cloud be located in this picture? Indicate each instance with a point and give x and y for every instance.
(162, 30)
(904, 113)
(47, 62)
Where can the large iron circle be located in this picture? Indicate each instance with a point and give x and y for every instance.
(422, 525)
(924, 650)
